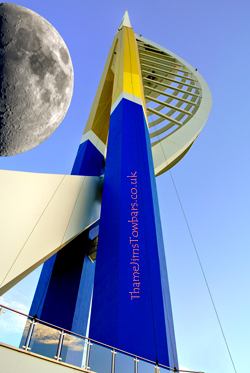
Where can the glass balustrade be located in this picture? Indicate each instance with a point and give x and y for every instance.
(146, 367)
(74, 350)
(44, 340)
(100, 358)
(124, 363)
(36, 336)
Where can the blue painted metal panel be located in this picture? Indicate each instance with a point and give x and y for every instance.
(69, 291)
(89, 161)
(68, 282)
(42, 287)
(61, 297)
(64, 293)
(128, 309)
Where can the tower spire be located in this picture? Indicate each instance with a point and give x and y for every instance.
(125, 21)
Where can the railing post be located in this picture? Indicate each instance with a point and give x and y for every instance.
(157, 369)
(136, 364)
(1, 311)
(89, 344)
(59, 349)
(33, 323)
(113, 352)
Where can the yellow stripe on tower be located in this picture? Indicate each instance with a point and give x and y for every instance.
(127, 70)
(98, 120)
(121, 77)
(131, 77)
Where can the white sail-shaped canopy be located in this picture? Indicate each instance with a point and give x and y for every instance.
(41, 213)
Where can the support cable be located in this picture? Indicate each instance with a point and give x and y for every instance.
(203, 273)
(200, 264)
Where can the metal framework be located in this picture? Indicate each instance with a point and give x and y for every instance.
(178, 102)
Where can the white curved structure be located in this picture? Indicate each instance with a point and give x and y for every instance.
(178, 103)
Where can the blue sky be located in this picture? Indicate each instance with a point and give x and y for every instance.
(212, 179)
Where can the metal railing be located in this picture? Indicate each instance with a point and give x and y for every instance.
(31, 334)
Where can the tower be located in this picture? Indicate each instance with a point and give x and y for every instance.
(111, 196)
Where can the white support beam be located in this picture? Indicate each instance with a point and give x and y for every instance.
(168, 105)
(169, 95)
(170, 87)
(170, 79)
(164, 116)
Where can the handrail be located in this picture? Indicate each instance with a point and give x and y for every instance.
(94, 341)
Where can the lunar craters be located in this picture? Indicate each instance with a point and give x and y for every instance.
(36, 79)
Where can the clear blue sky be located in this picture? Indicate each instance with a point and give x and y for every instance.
(212, 179)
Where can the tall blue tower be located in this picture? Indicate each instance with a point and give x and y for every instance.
(111, 272)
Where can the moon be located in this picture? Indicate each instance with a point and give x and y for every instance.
(37, 77)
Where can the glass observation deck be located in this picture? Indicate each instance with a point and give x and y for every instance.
(38, 337)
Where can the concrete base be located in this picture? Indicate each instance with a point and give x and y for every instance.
(14, 360)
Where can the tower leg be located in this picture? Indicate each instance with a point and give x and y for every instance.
(131, 305)
(63, 296)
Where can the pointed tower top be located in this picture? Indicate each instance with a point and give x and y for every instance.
(125, 21)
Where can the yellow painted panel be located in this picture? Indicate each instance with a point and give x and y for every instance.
(127, 73)
(131, 75)
(118, 67)
(122, 73)
(131, 84)
(141, 83)
(130, 57)
(98, 120)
